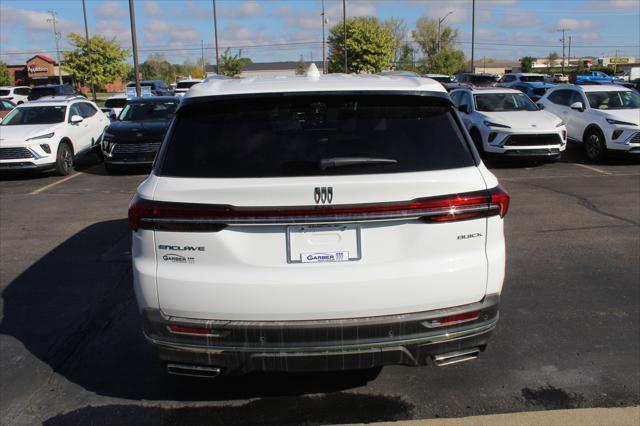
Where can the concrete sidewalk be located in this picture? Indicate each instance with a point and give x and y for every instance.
(626, 416)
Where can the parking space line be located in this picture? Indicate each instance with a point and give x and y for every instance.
(51, 185)
(595, 169)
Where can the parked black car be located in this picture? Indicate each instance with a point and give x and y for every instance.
(135, 137)
(477, 79)
(38, 92)
(158, 87)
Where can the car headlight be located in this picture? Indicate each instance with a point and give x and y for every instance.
(621, 123)
(47, 136)
(490, 124)
(562, 123)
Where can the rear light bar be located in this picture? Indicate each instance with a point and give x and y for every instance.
(452, 319)
(169, 216)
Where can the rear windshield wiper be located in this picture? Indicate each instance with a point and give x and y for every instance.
(326, 163)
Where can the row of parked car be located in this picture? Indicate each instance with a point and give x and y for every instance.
(518, 116)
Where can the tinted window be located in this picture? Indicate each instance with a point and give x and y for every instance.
(67, 90)
(531, 78)
(74, 110)
(4, 92)
(87, 110)
(188, 84)
(455, 98)
(141, 111)
(561, 97)
(465, 99)
(115, 103)
(39, 92)
(482, 79)
(34, 115)
(614, 100)
(500, 102)
(22, 91)
(540, 91)
(290, 136)
(6, 105)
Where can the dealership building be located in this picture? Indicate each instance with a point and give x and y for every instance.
(38, 70)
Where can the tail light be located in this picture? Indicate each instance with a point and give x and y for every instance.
(168, 216)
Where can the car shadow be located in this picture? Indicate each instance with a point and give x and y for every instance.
(93, 164)
(74, 310)
(575, 154)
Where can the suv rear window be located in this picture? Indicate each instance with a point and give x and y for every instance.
(40, 92)
(115, 103)
(279, 136)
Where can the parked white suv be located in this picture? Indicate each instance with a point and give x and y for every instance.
(317, 223)
(49, 133)
(510, 79)
(506, 123)
(183, 86)
(605, 118)
(16, 94)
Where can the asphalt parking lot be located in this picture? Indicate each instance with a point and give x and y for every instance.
(71, 349)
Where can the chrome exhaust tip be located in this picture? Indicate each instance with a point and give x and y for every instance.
(193, 370)
(456, 357)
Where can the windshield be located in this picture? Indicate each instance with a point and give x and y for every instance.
(531, 78)
(115, 103)
(186, 84)
(314, 135)
(141, 111)
(35, 115)
(614, 100)
(4, 92)
(502, 102)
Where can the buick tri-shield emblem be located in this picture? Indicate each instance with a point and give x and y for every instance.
(323, 194)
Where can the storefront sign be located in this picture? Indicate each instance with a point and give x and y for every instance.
(34, 69)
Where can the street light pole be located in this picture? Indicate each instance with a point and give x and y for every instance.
(86, 34)
(344, 29)
(134, 46)
(473, 32)
(324, 44)
(215, 35)
(440, 21)
(57, 36)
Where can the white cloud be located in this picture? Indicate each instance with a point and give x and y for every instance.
(246, 9)
(109, 29)
(153, 9)
(11, 17)
(575, 24)
(110, 10)
(589, 36)
(520, 18)
(157, 29)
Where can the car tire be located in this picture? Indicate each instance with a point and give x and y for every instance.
(594, 145)
(64, 159)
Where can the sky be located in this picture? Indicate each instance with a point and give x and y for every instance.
(280, 30)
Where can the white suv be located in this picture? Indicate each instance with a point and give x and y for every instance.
(605, 118)
(16, 94)
(510, 79)
(506, 123)
(317, 223)
(49, 133)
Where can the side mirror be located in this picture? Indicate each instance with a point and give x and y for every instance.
(464, 108)
(75, 119)
(577, 106)
(112, 116)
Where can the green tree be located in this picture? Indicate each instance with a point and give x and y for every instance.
(406, 59)
(552, 58)
(5, 77)
(448, 61)
(107, 57)
(426, 35)
(232, 65)
(157, 67)
(526, 64)
(397, 27)
(369, 46)
(301, 68)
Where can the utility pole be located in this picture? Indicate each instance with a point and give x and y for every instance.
(324, 42)
(57, 36)
(563, 30)
(204, 69)
(473, 32)
(134, 46)
(615, 63)
(215, 36)
(440, 21)
(484, 64)
(86, 34)
(569, 55)
(344, 29)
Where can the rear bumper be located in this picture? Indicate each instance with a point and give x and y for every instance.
(239, 347)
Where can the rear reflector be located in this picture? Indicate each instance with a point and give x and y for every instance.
(453, 319)
(179, 329)
(168, 216)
